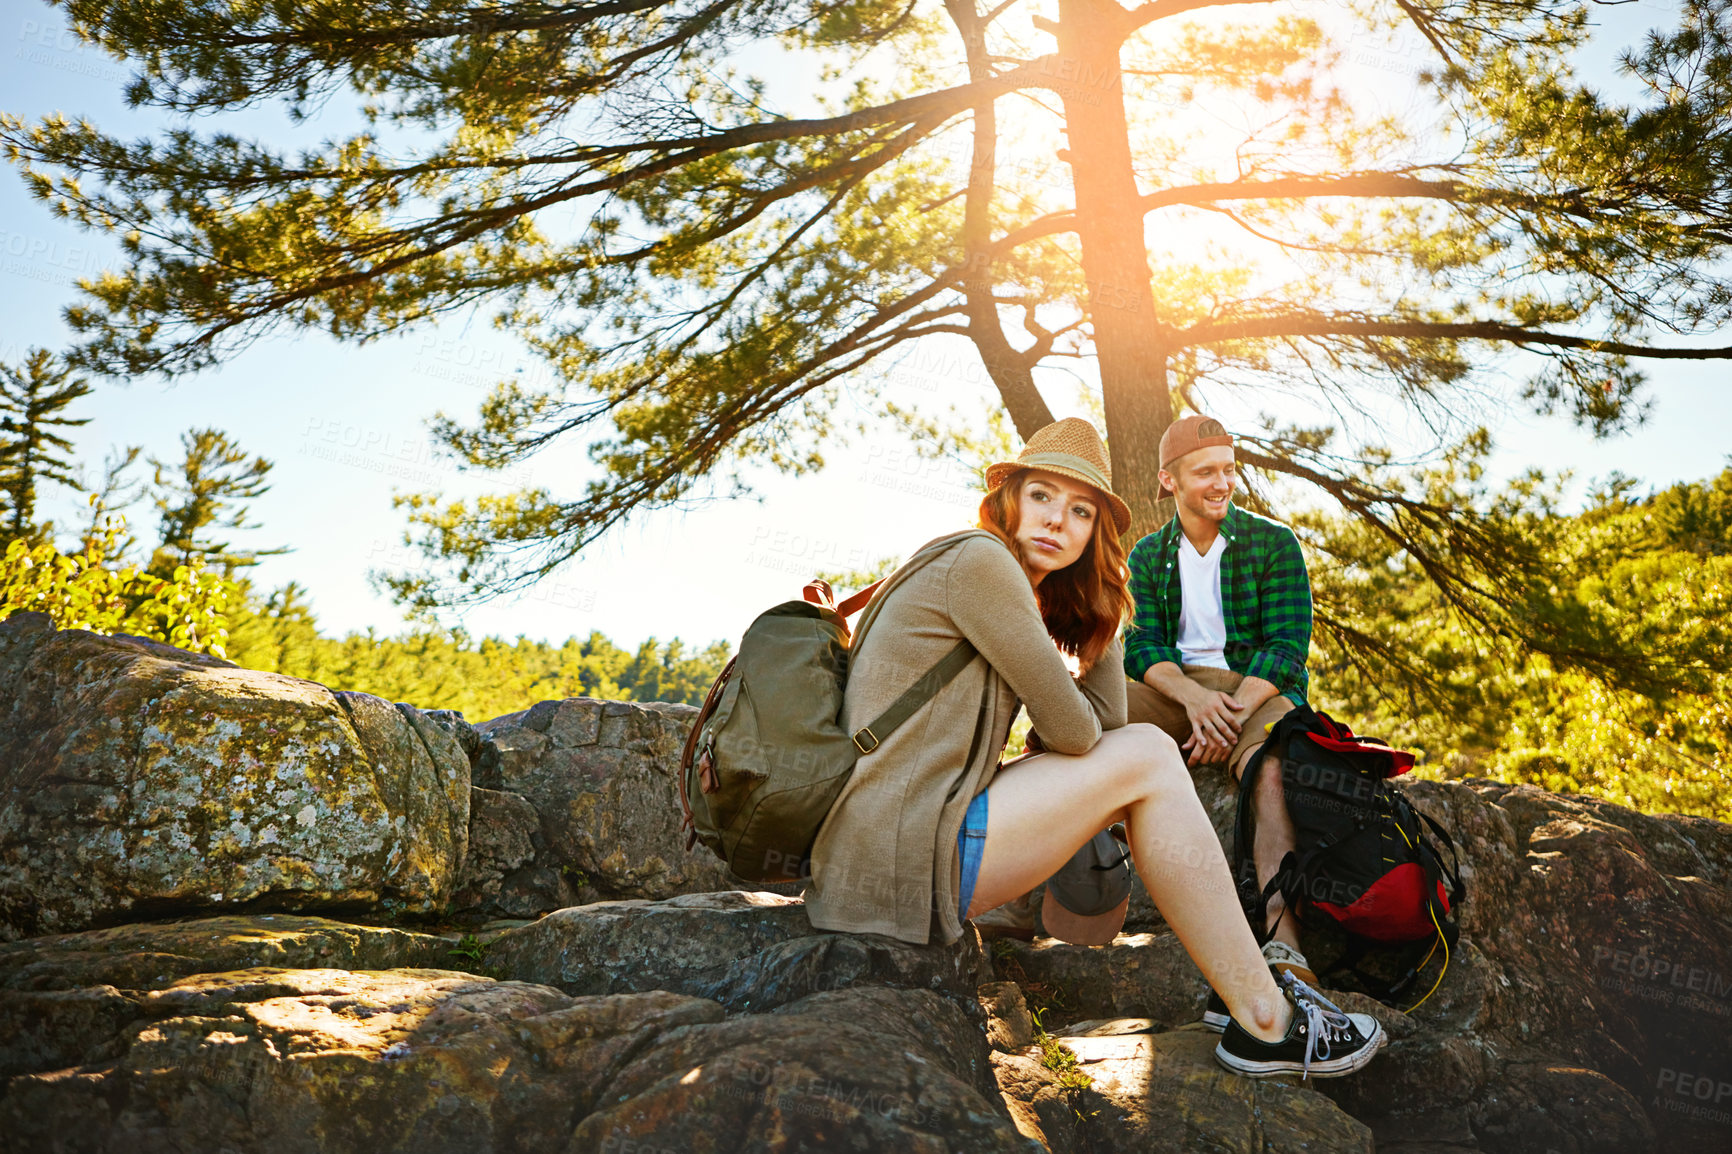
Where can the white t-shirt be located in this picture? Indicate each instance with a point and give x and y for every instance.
(1202, 622)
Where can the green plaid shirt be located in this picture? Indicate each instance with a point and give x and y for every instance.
(1265, 597)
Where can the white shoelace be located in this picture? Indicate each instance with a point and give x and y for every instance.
(1325, 1022)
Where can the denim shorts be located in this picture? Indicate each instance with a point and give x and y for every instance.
(970, 843)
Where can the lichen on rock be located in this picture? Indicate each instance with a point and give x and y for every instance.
(138, 778)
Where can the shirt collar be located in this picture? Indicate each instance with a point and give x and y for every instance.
(1216, 546)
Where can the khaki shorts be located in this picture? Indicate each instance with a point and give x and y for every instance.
(1148, 704)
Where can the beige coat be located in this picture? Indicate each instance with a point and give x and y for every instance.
(885, 859)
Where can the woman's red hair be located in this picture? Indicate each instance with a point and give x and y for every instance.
(1086, 602)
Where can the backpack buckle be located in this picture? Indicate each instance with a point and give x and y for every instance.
(866, 731)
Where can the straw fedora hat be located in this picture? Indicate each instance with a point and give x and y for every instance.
(1070, 448)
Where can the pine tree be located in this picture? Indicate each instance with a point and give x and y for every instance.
(1696, 516)
(702, 272)
(207, 489)
(33, 400)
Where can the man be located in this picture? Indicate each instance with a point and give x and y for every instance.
(1216, 650)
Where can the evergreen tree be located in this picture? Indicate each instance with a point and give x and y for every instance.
(731, 265)
(446, 669)
(1696, 516)
(207, 490)
(279, 634)
(33, 400)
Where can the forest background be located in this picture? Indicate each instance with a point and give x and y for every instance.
(154, 540)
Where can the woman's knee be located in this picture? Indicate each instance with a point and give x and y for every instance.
(1149, 758)
(1156, 749)
(1140, 739)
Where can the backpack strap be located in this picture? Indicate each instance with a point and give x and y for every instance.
(1285, 883)
(1412, 959)
(1452, 872)
(1246, 879)
(924, 555)
(1289, 881)
(1301, 719)
(853, 604)
(689, 822)
(869, 737)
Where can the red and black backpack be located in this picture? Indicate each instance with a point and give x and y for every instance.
(1365, 862)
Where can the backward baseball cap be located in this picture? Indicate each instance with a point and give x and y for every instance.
(1188, 434)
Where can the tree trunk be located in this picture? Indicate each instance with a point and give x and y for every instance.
(1129, 344)
(1010, 371)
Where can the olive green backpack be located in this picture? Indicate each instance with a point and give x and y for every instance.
(766, 757)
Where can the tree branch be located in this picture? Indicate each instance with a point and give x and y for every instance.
(483, 21)
(1422, 22)
(1010, 373)
(683, 149)
(1145, 14)
(1363, 184)
(1307, 325)
(1358, 184)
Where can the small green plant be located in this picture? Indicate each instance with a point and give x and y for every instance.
(575, 876)
(1059, 1058)
(470, 948)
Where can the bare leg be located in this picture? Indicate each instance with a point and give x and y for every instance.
(1042, 808)
(1272, 839)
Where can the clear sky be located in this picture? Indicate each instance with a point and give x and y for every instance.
(346, 427)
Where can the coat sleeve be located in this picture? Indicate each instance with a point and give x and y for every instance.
(1104, 686)
(992, 603)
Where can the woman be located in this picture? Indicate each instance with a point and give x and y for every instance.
(930, 830)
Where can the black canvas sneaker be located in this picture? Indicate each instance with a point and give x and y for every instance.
(1323, 1041)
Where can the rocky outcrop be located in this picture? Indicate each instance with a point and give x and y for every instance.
(333, 1060)
(1586, 1007)
(296, 1034)
(599, 776)
(714, 1022)
(149, 955)
(499, 874)
(72, 1000)
(1009, 1026)
(749, 951)
(140, 779)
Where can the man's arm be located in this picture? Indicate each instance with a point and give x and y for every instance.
(1253, 692)
(1213, 714)
(1284, 612)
